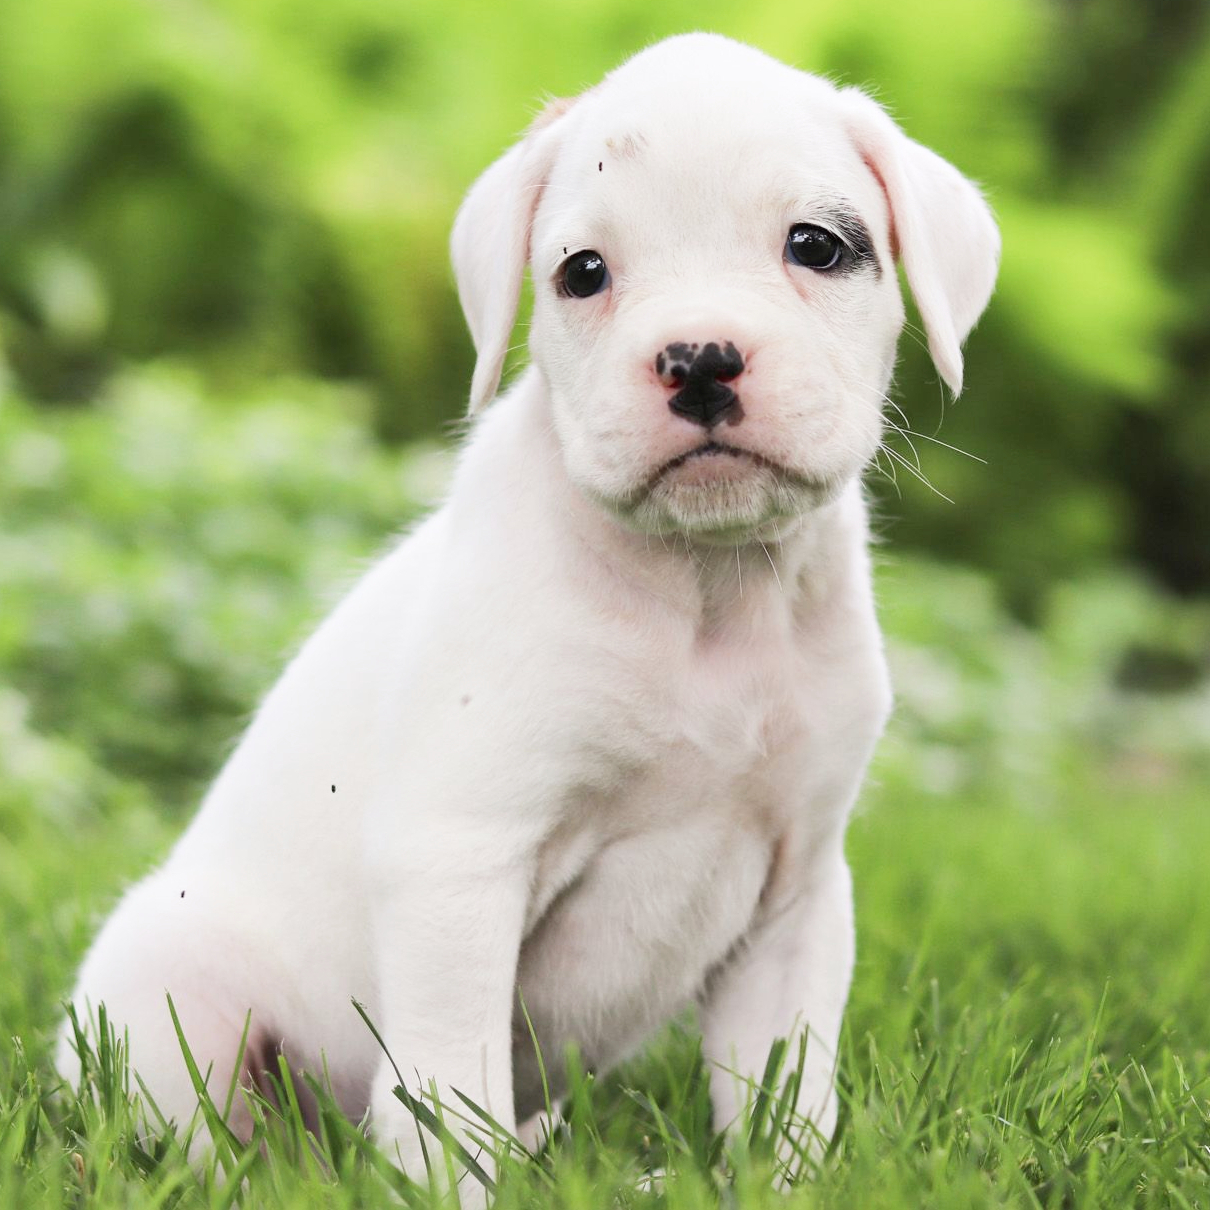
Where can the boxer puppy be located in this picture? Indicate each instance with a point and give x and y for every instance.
(588, 737)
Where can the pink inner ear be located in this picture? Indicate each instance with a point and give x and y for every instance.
(872, 164)
(941, 231)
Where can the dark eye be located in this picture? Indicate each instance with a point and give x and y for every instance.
(813, 247)
(584, 274)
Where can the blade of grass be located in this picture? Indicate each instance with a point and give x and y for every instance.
(226, 1146)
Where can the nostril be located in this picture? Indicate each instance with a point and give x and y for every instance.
(726, 362)
(673, 364)
(680, 363)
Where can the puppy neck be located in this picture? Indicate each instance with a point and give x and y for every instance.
(816, 564)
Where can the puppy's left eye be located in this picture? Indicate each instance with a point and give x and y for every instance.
(584, 275)
(813, 247)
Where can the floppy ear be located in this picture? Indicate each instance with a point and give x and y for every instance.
(942, 230)
(490, 246)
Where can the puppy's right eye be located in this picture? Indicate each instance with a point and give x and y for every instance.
(583, 275)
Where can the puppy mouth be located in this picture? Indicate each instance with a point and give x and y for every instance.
(720, 491)
(713, 449)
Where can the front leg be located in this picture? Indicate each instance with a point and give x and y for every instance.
(790, 978)
(447, 933)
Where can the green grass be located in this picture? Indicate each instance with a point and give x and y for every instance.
(1028, 1026)
(1030, 1018)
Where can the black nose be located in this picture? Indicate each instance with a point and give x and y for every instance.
(701, 372)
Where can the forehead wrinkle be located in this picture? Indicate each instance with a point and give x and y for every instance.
(721, 184)
(628, 146)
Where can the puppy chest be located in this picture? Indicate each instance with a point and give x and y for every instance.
(628, 941)
(725, 771)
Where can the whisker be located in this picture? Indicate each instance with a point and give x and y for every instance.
(907, 433)
(902, 414)
(917, 334)
(944, 444)
(772, 565)
(887, 472)
(907, 466)
(904, 434)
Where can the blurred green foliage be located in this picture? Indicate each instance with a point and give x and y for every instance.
(264, 187)
(159, 555)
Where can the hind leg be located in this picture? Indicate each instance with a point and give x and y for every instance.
(144, 955)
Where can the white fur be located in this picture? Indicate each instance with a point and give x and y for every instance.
(593, 730)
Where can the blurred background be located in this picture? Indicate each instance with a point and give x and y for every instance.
(231, 358)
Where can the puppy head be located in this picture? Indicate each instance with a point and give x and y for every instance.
(712, 237)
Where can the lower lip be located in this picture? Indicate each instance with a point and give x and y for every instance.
(711, 466)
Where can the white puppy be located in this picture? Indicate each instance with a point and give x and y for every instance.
(590, 734)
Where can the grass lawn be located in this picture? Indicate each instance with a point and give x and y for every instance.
(1030, 1020)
